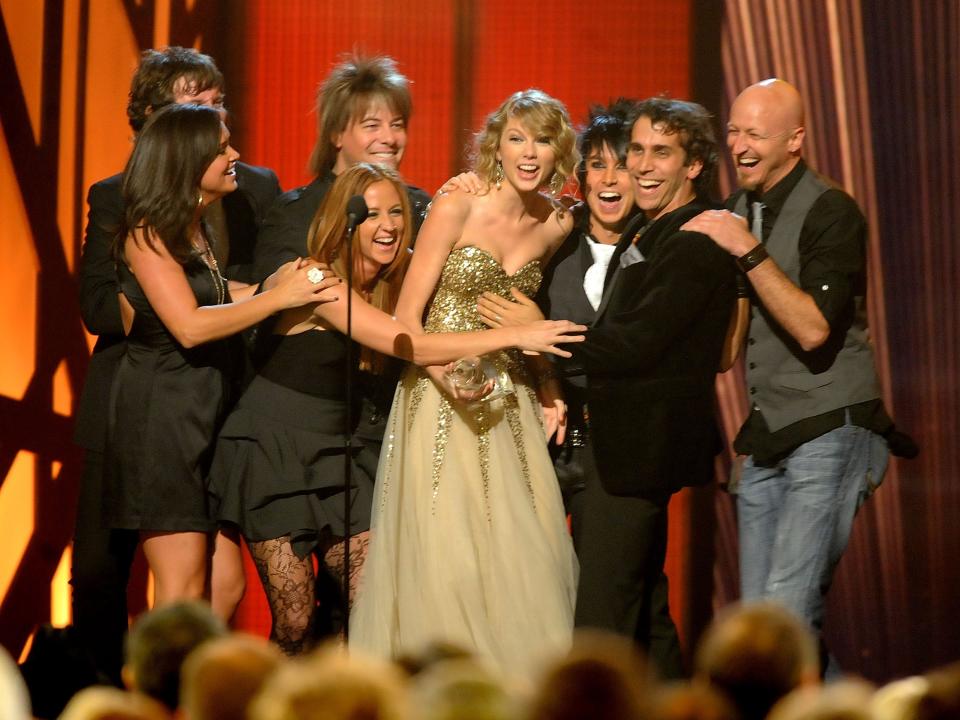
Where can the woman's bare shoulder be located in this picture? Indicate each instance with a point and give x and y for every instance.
(451, 204)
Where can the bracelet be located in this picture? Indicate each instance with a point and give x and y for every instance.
(753, 258)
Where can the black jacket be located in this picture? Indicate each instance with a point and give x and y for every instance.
(652, 356)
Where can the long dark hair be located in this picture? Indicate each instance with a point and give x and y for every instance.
(161, 183)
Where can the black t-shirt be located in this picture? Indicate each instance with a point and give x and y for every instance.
(832, 249)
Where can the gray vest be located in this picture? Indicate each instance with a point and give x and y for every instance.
(786, 383)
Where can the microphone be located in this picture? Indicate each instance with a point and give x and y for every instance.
(357, 212)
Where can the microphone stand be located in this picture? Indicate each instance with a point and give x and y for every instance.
(356, 213)
(348, 434)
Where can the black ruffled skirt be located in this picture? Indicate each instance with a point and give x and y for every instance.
(278, 468)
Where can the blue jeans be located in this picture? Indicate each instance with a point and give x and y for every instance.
(795, 519)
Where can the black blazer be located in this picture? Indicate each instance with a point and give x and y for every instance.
(561, 295)
(244, 210)
(283, 236)
(651, 358)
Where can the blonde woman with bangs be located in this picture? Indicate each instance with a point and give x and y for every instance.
(469, 543)
(277, 472)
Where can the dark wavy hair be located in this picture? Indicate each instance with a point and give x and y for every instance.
(607, 125)
(161, 182)
(350, 89)
(153, 83)
(695, 127)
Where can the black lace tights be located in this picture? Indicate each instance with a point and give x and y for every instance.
(289, 582)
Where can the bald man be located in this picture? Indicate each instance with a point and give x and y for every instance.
(813, 439)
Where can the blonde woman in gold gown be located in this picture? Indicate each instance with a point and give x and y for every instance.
(468, 538)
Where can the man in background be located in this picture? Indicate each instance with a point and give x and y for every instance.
(102, 557)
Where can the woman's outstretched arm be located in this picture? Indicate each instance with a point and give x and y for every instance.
(165, 284)
(378, 331)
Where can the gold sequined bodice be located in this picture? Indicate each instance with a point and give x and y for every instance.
(468, 272)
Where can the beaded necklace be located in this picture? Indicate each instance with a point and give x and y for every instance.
(210, 260)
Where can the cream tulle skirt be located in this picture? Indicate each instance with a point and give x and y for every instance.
(469, 542)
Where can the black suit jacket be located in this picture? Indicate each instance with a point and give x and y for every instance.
(561, 295)
(283, 236)
(244, 210)
(651, 358)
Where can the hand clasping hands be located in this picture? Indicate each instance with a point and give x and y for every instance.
(538, 335)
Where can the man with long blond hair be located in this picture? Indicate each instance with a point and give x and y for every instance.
(363, 108)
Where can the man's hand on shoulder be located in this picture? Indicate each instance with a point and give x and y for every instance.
(469, 182)
(497, 311)
(726, 229)
(451, 205)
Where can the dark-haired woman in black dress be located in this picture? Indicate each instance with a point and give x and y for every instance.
(171, 389)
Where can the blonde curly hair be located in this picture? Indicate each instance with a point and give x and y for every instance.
(541, 115)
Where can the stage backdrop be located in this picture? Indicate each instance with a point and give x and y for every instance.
(870, 79)
(464, 59)
(881, 80)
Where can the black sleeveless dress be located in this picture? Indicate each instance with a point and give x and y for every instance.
(278, 468)
(166, 406)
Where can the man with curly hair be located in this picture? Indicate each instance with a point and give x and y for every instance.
(649, 359)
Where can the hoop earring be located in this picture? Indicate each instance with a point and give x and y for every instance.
(498, 175)
(556, 183)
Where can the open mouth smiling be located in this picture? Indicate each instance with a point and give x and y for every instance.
(649, 185)
(609, 199)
